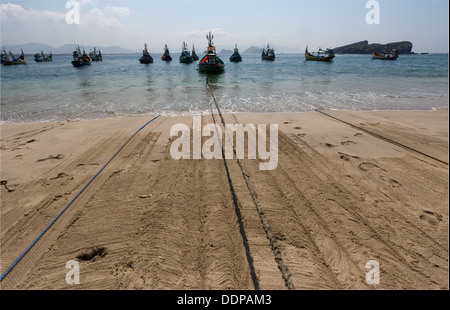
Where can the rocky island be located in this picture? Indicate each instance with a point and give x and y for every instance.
(363, 47)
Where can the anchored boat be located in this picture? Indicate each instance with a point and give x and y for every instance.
(3, 55)
(80, 59)
(166, 56)
(96, 56)
(386, 55)
(235, 57)
(145, 58)
(210, 63)
(321, 55)
(268, 53)
(40, 57)
(13, 60)
(194, 54)
(185, 56)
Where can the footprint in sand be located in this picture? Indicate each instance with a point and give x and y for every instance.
(358, 134)
(349, 142)
(431, 217)
(60, 175)
(347, 157)
(366, 166)
(287, 122)
(301, 135)
(297, 127)
(327, 145)
(59, 156)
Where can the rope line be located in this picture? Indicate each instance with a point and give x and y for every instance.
(273, 243)
(383, 138)
(70, 203)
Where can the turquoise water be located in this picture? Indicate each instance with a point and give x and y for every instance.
(121, 86)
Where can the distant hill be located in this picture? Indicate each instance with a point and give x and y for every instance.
(253, 50)
(363, 47)
(225, 51)
(32, 48)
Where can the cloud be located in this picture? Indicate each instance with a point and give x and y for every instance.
(14, 12)
(217, 32)
(120, 11)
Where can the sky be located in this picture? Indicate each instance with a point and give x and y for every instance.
(287, 25)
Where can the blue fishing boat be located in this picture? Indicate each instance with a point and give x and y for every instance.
(185, 56)
(146, 57)
(268, 53)
(194, 54)
(40, 57)
(166, 56)
(211, 63)
(235, 57)
(80, 59)
(96, 55)
(13, 60)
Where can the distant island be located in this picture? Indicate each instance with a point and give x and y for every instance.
(363, 47)
(225, 51)
(253, 50)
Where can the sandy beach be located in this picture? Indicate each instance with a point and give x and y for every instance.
(340, 197)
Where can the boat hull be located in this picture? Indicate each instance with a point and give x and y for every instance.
(77, 63)
(211, 68)
(15, 62)
(146, 60)
(308, 56)
(384, 57)
(186, 60)
(235, 58)
(270, 58)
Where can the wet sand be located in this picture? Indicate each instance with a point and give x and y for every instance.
(338, 198)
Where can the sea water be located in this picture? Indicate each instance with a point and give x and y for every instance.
(121, 86)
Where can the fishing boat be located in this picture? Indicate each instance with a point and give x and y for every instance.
(235, 57)
(40, 57)
(3, 55)
(12, 60)
(146, 58)
(185, 56)
(166, 56)
(210, 63)
(268, 53)
(321, 55)
(80, 59)
(96, 55)
(194, 54)
(386, 55)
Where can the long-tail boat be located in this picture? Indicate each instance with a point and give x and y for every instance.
(146, 58)
(268, 53)
(166, 56)
(194, 54)
(210, 63)
(235, 57)
(80, 59)
(386, 55)
(321, 55)
(185, 56)
(12, 60)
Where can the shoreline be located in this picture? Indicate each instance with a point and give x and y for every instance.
(206, 112)
(338, 198)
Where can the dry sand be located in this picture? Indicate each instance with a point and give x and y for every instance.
(338, 198)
